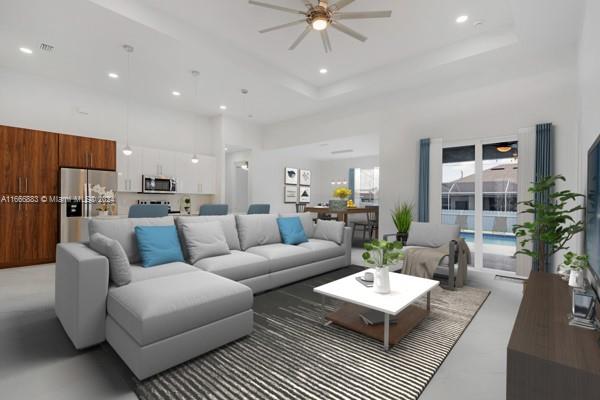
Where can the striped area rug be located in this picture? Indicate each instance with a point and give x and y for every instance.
(291, 355)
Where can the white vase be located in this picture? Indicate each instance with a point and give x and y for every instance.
(382, 280)
(576, 278)
(103, 213)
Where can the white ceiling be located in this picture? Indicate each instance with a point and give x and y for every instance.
(336, 149)
(420, 44)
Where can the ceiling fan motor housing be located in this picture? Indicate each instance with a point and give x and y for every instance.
(319, 12)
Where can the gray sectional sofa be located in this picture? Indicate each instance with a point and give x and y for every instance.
(174, 312)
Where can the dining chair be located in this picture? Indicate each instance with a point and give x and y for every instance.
(259, 209)
(214, 209)
(371, 224)
(148, 211)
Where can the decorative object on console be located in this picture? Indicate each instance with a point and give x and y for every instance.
(381, 254)
(304, 194)
(290, 194)
(186, 205)
(554, 224)
(402, 215)
(577, 264)
(305, 177)
(341, 202)
(291, 176)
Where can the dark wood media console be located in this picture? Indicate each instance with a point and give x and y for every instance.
(548, 359)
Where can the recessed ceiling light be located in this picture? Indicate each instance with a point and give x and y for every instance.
(26, 50)
(223, 107)
(462, 19)
(226, 149)
(113, 75)
(323, 71)
(176, 93)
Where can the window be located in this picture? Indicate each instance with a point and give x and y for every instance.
(366, 185)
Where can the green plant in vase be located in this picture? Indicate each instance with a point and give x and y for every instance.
(577, 264)
(402, 215)
(554, 223)
(340, 203)
(380, 254)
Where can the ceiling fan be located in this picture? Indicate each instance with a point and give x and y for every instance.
(321, 16)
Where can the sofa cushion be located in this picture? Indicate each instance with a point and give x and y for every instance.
(118, 263)
(204, 240)
(257, 230)
(238, 265)
(227, 222)
(283, 256)
(156, 309)
(158, 245)
(329, 230)
(291, 230)
(323, 249)
(139, 273)
(307, 221)
(123, 231)
(428, 234)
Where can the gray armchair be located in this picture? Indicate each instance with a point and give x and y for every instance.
(430, 235)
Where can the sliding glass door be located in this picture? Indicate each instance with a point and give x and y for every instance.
(479, 193)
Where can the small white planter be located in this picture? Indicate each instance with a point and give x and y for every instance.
(576, 278)
(382, 280)
(103, 213)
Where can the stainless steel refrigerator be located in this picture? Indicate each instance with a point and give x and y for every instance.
(76, 209)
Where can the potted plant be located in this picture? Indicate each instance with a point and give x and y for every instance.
(104, 200)
(554, 223)
(402, 215)
(577, 264)
(340, 203)
(187, 205)
(380, 254)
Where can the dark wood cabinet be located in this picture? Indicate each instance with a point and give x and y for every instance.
(28, 161)
(29, 170)
(11, 238)
(83, 152)
(548, 359)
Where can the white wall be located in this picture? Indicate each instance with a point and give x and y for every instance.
(237, 192)
(338, 170)
(36, 102)
(477, 111)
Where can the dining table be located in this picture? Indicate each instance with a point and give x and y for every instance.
(340, 215)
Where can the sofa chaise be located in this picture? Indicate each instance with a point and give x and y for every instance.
(174, 312)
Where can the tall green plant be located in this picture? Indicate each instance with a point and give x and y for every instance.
(402, 215)
(554, 223)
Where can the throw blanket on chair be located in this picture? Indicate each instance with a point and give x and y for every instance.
(422, 262)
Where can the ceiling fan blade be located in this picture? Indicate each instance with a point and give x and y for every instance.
(301, 37)
(326, 41)
(302, 21)
(363, 14)
(343, 28)
(341, 4)
(274, 7)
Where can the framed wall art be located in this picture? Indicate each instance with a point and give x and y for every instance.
(291, 176)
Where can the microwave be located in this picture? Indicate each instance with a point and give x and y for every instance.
(158, 184)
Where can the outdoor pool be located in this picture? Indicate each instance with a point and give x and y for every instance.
(491, 238)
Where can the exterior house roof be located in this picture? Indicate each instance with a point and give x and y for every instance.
(499, 179)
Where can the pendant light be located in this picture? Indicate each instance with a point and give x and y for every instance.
(127, 150)
(195, 74)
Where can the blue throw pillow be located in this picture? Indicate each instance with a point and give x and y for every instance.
(158, 245)
(292, 231)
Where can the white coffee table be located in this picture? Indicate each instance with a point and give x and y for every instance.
(405, 290)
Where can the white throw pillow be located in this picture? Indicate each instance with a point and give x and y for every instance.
(118, 263)
(204, 239)
(329, 230)
(257, 230)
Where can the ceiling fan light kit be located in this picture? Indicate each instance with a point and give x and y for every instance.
(319, 17)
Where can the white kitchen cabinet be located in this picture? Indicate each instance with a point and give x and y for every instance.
(129, 169)
(186, 174)
(157, 162)
(207, 175)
